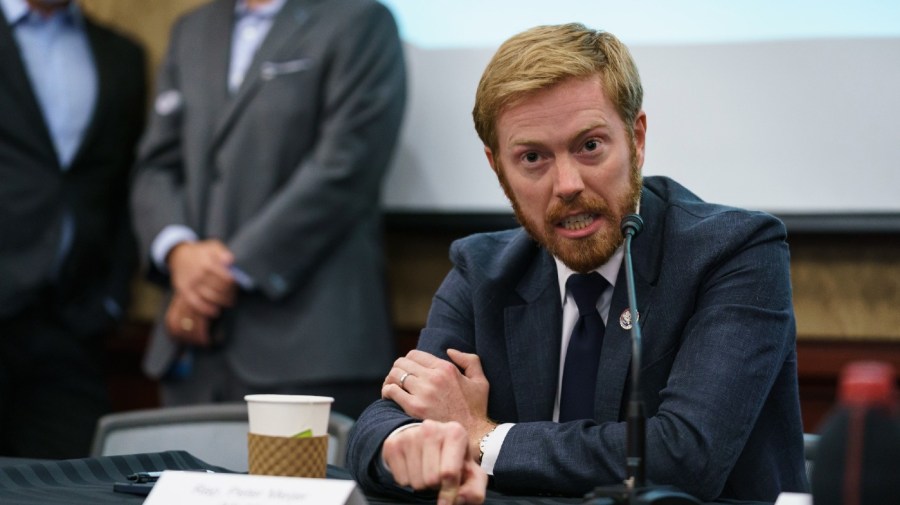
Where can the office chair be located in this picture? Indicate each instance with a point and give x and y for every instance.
(214, 433)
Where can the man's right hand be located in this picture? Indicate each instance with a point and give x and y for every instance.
(200, 275)
(436, 455)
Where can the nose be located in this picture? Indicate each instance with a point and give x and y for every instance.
(569, 183)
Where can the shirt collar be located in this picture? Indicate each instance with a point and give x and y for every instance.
(18, 10)
(609, 271)
(14, 10)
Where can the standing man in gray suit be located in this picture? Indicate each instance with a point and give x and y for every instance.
(256, 200)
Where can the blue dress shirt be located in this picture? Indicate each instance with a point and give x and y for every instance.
(60, 65)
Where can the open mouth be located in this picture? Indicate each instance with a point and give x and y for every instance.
(578, 221)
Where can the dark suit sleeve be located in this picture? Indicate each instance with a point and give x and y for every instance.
(339, 183)
(159, 172)
(364, 448)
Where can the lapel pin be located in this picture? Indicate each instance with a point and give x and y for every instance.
(625, 319)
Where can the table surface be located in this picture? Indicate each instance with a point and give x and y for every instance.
(90, 481)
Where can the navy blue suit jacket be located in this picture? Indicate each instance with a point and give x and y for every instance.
(719, 364)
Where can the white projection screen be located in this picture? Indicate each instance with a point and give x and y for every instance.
(792, 107)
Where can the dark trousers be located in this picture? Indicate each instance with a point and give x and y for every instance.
(212, 381)
(52, 389)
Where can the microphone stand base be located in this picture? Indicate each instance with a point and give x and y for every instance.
(649, 495)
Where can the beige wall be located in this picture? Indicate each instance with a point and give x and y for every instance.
(845, 287)
(147, 21)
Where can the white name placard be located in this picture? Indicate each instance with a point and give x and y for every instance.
(794, 499)
(197, 488)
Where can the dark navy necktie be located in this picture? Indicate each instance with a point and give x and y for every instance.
(583, 355)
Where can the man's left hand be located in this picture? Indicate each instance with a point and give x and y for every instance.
(185, 325)
(434, 388)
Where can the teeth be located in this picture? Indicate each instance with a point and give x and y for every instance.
(577, 222)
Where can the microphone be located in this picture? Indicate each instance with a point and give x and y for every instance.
(636, 491)
(632, 225)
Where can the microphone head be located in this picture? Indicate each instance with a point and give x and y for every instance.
(632, 224)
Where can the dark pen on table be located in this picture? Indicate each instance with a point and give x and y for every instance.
(144, 477)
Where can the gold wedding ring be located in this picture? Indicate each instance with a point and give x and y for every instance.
(187, 324)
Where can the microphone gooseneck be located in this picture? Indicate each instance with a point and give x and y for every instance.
(636, 491)
(632, 224)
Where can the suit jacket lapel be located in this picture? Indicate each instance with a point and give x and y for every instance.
(216, 60)
(615, 357)
(288, 21)
(22, 94)
(532, 334)
(211, 61)
(105, 86)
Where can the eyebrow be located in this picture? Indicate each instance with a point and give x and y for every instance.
(579, 134)
(603, 125)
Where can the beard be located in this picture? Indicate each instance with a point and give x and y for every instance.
(584, 254)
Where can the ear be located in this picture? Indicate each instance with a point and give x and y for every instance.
(640, 136)
(490, 158)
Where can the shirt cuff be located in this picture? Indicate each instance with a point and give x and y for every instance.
(167, 239)
(492, 447)
(243, 280)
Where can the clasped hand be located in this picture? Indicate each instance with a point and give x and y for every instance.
(442, 452)
(203, 286)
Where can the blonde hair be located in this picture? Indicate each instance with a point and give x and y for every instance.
(543, 56)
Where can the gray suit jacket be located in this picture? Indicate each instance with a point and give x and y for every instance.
(287, 172)
(719, 370)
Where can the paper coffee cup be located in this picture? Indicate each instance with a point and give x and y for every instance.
(288, 435)
(288, 415)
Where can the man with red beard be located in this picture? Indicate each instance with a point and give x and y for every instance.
(487, 392)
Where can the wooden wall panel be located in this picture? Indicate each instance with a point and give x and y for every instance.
(847, 287)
